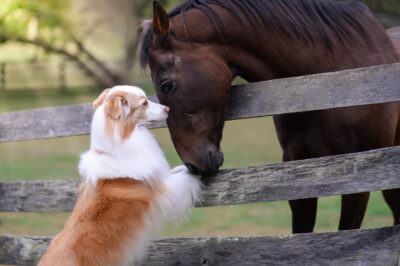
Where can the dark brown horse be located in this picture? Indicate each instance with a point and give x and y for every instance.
(196, 51)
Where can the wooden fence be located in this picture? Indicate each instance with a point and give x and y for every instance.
(335, 175)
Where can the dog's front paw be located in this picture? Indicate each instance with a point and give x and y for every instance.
(179, 169)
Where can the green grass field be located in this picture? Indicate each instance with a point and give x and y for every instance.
(245, 143)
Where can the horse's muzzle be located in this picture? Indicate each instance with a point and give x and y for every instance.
(214, 160)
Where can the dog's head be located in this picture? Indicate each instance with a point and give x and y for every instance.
(126, 107)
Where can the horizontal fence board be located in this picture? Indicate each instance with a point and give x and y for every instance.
(49, 122)
(46, 123)
(356, 247)
(355, 87)
(327, 176)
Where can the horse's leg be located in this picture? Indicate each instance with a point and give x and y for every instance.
(304, 213)
(353, 210)
(392, 197)
(332, 132)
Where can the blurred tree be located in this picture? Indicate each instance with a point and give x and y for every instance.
(45, 24)
(82, 31)
(116, 20)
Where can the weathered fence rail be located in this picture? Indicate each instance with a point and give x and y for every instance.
(327, 176)
(335, 175)
(356, 247)
(373, 85)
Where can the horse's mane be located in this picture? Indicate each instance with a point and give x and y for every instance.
(316, 21)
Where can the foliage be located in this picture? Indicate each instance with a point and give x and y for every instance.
(44, 24)
(46, 17)
(59, 29)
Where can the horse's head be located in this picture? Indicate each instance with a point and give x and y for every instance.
(194, 81)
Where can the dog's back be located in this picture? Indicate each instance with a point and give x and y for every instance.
(106, 220)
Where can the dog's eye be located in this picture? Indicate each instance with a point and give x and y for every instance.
(167, 87)
(145, 103)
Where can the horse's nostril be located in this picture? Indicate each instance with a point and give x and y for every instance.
(220, 158)
(216, 158)
(193, 169)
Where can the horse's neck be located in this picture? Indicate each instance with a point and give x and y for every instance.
(269, 55)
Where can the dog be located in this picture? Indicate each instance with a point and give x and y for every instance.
(128, 190)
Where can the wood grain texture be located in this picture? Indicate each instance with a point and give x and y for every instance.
(355, 247)
(378, 84)
(38, 196)
(335, 175)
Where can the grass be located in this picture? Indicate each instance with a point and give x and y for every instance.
(245, 142)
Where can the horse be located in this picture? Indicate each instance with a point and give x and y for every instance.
(195, 51)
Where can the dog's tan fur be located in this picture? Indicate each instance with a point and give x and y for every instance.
(105, 219)
(107, 215)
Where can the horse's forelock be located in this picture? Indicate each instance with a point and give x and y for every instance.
(146, 38)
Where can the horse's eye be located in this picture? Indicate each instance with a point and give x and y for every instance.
(167, 87)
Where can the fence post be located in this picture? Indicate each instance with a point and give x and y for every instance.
(3, 76)
(63, 83)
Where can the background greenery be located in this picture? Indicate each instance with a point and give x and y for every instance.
(94, 32)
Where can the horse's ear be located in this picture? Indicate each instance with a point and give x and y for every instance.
(160, 22)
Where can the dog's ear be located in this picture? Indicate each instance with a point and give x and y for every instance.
(114, 105)
(99, 101)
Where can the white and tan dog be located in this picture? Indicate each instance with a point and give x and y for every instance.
(128, 190)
